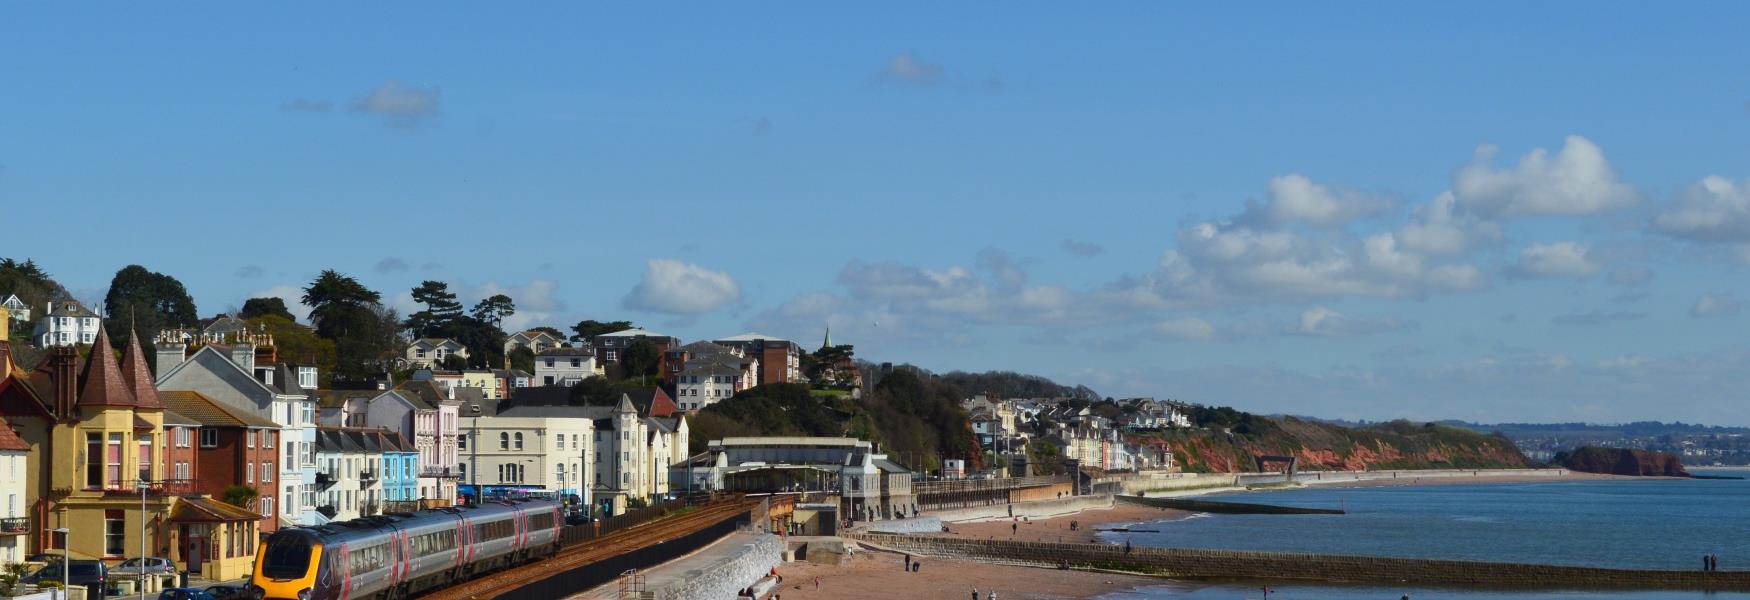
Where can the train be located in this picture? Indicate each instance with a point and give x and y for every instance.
(399, 555)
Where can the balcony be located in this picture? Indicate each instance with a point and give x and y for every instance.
(162, 487)
(324, 481)
(14, 526)
(367, 475)
(439, 472)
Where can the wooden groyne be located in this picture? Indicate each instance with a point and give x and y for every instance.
(1232, 565)
(1232, 508)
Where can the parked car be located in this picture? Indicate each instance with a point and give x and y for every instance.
(184, 594)
(89, 573)
(231, 592)
(154, 566)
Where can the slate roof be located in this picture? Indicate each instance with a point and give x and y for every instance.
(568, 411)
(71, 308)
(101, 382)
(566, 351)
(175, 418)
(138, 376)
(709, 369)
(209, 413)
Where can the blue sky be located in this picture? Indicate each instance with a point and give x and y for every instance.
(1488, 211)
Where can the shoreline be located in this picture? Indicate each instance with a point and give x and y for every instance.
(878, 574)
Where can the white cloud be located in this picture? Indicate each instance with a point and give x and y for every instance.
(1560, 259)
(536, 303)
(907, 67)
(1715, 305)
(1186, 328)
(675, 287)
(1714, 209)
(1296, 199)
(402, 105)
(1435, 229)
(1324, 322)
(1577, 180)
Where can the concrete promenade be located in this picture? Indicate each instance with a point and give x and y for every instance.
(1308, 568)
(737, 561)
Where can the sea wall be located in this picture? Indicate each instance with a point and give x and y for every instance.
(1290, 567)
(724, 578)
(1038, 510)
(926, 524)
(1237, 508)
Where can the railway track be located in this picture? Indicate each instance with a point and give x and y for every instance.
(613, 544)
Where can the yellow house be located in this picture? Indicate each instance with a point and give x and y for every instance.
(221, 538)
(485, 380)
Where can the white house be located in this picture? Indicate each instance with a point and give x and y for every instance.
(17, 308)
(510, 448)
(702, 384)
(633, 456)
(534, 340)
(427, 353)
(565, 366)
(65, 323)
(14, 522)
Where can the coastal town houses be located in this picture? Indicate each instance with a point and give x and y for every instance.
(1148, 413)
(363, 472)
(492, 384)
(534, 340)
(66, 323)
(16, 309)
(510, 449)
(242, 375)
(565, 365)
(632, 456)
(780, 360)
(611, 347)
(428, 353)
(14, 525)
(232, 447)
(427, 416)
(704, 373)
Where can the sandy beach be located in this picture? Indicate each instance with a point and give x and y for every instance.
(881, 575)
(1057, 529)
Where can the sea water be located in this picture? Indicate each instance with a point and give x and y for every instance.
(1629, 523)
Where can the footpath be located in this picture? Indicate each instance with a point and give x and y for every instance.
(720, 570)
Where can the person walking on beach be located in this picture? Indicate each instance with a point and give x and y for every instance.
(1126, 547)
(908, 563)
(974, 593)
(1014, 528)
(816, 583)
(1706, 563)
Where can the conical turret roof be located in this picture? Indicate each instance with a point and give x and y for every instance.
(102, 384)
(625, 405)
(138, 376)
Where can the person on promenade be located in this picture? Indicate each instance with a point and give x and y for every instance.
(974, 593)
(1705, 563)
(1014, 528)
(1127, 547)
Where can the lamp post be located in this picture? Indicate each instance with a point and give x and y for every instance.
(66, 562)
(142, 484)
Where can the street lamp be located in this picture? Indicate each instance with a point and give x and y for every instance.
(66, 562)
(142, 484)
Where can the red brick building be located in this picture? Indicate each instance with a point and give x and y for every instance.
(181, 462)
(232, 447)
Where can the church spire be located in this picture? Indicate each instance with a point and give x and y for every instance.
(827, 343)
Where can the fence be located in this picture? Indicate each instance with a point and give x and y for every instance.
(580, 533)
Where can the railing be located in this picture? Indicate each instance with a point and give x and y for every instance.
(367, 508)
(979, 485)
(367, 475)
(444, 472)
(162, 487)
(400, 506)
(14, 526)
(577, 533)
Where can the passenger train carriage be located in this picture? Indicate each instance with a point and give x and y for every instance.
(391, 557)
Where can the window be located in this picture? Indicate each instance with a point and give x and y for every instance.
(267, 506)
(560, 473)
(574, 443)
(114, 475)
(462, 470)
(209, 438)
(115, 532)
(268, 436)
(182, 437)
(93, 460)
(576, 363)
(249, 437)
(145, 457)
(307, 378)
(419, 354)
(310, 412)
(249, 473)
(501, 473)
(559, 441)
(549, 363)
(503, 441)
(267, 472)
(625, 478)
(462, 440)
(519, 440)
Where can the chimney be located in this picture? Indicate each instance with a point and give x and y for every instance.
(244, 356)
(63, 367)
(170, 354)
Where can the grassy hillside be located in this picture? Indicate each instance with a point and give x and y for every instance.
(1229, 440)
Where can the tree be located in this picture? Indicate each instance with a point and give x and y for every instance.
(441, 310)
(32, 285)
(494, 309)
(640, 359)
(522, 359)
(296, 343)
(240, 496)
(587, 329)
(365, 334)
(261, 307)
(453, 362)
(146, 302)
